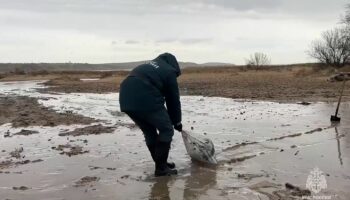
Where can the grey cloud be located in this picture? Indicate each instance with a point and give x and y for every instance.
(287, 6)
(132, 42)
(246, 4)
(195, 40)
(98, 16)
(174, 24)
(186, 40)
(167, 40)
(161, 6)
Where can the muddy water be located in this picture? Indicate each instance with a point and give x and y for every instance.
(256, 142)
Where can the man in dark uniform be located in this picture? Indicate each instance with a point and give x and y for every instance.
(142, 97)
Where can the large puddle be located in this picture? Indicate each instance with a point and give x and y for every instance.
(256, 142)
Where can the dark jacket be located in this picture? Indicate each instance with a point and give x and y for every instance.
(150, 85)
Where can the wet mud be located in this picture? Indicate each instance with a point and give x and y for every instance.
(234, 147)
(70, 84)
(107, 168)
(17, 153)
(86, 181)
(26, 132)
(274, 191)
(24, 111)
(238, 159)
(90, 130)
(273, 85)
(70, 150)
(6, 164)
(20, 188)
(23, 132)
(265, 150)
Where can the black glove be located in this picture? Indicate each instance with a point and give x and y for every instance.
(178, 127)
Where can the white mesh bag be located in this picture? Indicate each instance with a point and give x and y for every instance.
(199, 148)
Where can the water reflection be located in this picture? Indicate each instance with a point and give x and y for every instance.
(202, 178)
(337, 136)
(197, 183)
(160, 189)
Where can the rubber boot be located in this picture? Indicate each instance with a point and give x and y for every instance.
(161, 154)
(151, 149)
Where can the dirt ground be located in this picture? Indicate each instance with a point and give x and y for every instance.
(89, 130)
(288, 84)
(291, 85)
(24, 111)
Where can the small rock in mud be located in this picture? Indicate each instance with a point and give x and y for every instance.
(240, 159)
(72, 150)
(127, 125)
(16, 153)
(296, 153)
(116, 113)
(87, 180)
(20, 188)
(304, 103)
(7, 134)
(111, 168)
(37, 160)
(23, 162)
(296, 191)
(285, 125)
(90, 130)
(249, 176)
(125, 176)
(47, 98)
(26, 132)
(94, 167)
(5, 164)
(293, 146)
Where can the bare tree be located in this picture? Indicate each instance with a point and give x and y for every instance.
(346, 18)
(333, 48)
(258, 59)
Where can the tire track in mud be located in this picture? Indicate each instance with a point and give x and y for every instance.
(243, 158)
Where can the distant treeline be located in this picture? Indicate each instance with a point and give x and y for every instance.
(30, 67)
(19, 68)
(45, 68)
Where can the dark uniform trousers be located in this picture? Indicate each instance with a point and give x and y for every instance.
(150, 122)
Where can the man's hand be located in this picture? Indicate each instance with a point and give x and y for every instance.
(178, 126)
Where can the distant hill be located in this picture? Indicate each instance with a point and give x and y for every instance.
(213, 64)
(30, 67)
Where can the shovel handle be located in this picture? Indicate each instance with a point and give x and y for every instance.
(341, 94)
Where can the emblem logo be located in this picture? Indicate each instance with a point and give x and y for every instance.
(316, 181)
(154, 64)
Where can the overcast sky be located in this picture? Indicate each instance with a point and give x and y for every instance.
(103, 31)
